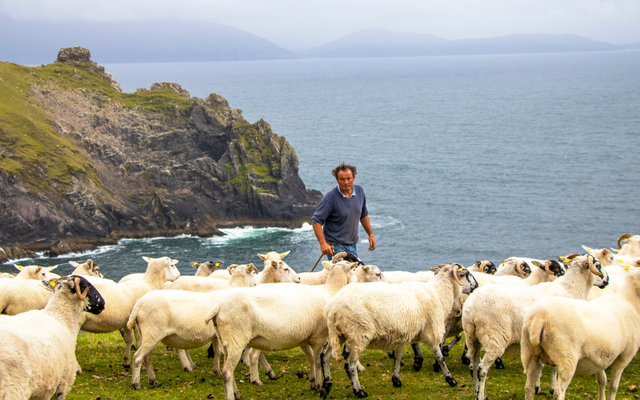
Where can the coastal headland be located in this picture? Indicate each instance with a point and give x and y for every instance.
(83, 164)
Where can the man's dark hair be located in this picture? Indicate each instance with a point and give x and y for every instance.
(343, 167)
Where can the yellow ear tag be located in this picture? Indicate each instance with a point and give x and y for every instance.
(588, 249)
(217, 264)
(626, 267)
(460, 268)
(53, 284)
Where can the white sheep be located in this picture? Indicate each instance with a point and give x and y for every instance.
(275, 317)
(176, 318)
(202, 269)
(38, 359)
(484, 266)
(582, 337)
(631, 247)
(24, 292)
(390, 317)
(516, 266)
(121, 297)
(492, 315)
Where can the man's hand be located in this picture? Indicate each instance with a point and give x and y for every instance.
(372, 242)
(326, 249)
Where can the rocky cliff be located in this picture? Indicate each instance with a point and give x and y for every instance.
(83, 164)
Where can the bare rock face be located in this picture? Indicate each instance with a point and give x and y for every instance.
(159, 163)
(74, 55)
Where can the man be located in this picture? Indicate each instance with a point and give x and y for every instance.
(335, 221)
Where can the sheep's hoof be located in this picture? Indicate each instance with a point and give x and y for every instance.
(126, 366)
(436, 367)
(257, 383)
(417, 363)
(361, 394)
(396, 381)
(498, 363)
(135, 386)
(452, 382)
(326, 387)
(465, 360)
(445, 352)
(188, 369)
(551, 391)
(237, 396)
(154, 383)
(272, 376)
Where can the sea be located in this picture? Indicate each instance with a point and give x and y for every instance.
(462, 158)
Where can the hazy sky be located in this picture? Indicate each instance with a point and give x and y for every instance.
(298, 24)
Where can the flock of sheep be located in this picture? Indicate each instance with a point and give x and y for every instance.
(579, 315)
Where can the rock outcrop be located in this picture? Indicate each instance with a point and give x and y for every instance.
(95, 165)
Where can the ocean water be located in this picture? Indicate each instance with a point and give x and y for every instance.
(462, 158)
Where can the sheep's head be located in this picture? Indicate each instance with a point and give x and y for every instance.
(485, 266)
(88, 268)
(372, 273)
(603, 255)
(82, 288)
(206, 268)
(551, 267)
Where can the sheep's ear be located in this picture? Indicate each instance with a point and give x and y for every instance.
(253, 268)
(616, 250)
(194, 265)
(366, 268)
(147, 259)
(587, 249)
(38, 269)
(18, 267)
(283, 255)
(53, 267)
(537, 264)
(274, 264)
(262, 256)
(219, 264)
(325, 263)
(605, 252)
(74, 264)
(90, 263)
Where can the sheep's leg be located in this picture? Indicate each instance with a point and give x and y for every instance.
(617, 368)
(483, 369)
(601, 377)
(312, 367)
(253, 355)
(325, 360)
(216, 355)
(554, 380)
(361, 368)
(352, 371)
(230, 362)
(246, 359)
(395, 379)
(533, 371)
(143, 354)
(266, 367)
(447, 375)
(474, 361)
(465, 358)
(447, 348)
(418, 359)
(128, 337)
(185, 359)
(317, 350)
(538, 377)
(565, 375)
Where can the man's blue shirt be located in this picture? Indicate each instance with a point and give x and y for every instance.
(340, 216)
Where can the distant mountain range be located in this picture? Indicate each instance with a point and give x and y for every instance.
(378, 42)
(33, 43)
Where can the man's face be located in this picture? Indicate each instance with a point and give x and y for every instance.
(345, 180)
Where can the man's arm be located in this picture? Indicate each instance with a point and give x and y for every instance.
(324, 246)
(366, 224)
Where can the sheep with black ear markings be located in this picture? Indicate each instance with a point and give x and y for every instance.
(121, 297)
(492, 315)
(582, 338)
(38, 360)
(484, 266)
(272, 318)
(390, 317)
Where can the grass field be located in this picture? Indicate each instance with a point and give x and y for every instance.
(100, 356)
